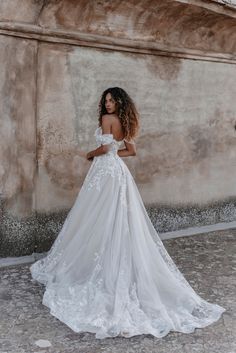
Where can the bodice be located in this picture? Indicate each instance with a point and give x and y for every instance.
(107, 139)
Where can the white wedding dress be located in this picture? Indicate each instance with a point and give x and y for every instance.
(108, 272)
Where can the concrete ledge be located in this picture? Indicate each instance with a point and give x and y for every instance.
(77, 38)
(197, 230)
(9, 261)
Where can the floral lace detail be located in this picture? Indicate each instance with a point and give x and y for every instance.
(40, 269)
(86, 307)
(109, 164)
(105, 165)
(92, 313)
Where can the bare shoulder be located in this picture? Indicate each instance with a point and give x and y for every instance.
(106, 124)
(105, 116)
(106, 119)
(110, 117)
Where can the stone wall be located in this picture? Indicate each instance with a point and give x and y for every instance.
(56, 59)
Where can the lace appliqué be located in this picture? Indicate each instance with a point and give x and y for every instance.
(107, 165)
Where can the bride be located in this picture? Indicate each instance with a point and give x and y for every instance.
(108, 272)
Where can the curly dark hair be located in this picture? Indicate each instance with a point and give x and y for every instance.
(126, 110)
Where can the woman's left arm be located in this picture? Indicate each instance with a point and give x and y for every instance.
(106, 129)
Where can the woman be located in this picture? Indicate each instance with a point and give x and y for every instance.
(108, 271)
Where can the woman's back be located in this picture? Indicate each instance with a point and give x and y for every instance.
(116, 127)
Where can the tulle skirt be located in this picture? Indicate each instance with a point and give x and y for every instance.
(108, 271)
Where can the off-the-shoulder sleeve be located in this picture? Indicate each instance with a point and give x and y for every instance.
(105, 139)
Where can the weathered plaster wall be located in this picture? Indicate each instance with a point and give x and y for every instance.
(187, 144)
(50, 85)
(145, 19)
(18, 125)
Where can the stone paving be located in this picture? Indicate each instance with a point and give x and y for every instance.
(208, 261)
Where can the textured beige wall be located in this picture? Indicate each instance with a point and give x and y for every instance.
(186, 149)
(17, 124)
(50, 91)
(187, 145)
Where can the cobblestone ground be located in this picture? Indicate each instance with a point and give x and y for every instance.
(208, 261)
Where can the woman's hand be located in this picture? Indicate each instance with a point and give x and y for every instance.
(89, 156)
